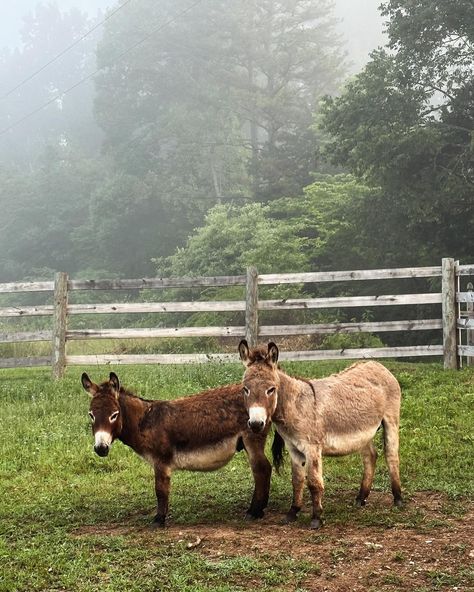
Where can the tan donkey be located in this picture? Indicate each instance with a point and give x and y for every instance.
(331, 416)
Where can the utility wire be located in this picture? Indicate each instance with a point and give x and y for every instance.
(89, 76)
(64, 51)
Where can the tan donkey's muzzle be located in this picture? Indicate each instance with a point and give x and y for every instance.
(257, 419)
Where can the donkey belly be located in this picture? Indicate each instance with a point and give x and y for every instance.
(207, 458)
(339, 444)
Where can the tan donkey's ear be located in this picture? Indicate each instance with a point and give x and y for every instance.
(244, 352)
(88, 385)
(272, 355)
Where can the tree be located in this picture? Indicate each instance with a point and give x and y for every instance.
(69, 120)
(45, 216)
(316, 230)
(233, 238)
(285, 57)
(221, 99)
(405, 124)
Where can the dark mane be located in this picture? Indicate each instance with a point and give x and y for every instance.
(127, 393)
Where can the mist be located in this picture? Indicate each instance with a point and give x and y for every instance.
(14, 13)
(168, 115)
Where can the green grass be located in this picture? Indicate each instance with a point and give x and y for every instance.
(52, 485)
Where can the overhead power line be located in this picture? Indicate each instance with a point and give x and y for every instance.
(89, 76)
(65, 50)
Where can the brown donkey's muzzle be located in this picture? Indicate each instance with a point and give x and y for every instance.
(102, 449)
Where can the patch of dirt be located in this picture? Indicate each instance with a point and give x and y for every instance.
(432, 551)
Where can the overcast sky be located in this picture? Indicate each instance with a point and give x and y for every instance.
(361, 26)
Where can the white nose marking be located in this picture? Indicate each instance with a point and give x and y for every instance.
(257, 414)
(103, 438)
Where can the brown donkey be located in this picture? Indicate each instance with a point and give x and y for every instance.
(196, 433)
(331, 416)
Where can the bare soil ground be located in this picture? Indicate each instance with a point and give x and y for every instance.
(436, 552)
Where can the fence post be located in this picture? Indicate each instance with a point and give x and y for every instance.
(251, 307)
(448, 295)
(58, 358)
(470, 317)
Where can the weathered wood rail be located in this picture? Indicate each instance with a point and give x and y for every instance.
(452, 319)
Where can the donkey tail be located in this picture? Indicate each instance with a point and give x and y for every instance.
(277, 451)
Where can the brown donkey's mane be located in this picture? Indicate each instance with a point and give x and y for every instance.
(199, 432)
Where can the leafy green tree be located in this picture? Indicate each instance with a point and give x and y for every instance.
(316, 230)
(234, 238)
(405, 123)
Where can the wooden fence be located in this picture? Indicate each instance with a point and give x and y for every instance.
(453, 319)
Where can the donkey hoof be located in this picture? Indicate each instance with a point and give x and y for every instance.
(158, 522)
(250, 516)
(360, 503)
(290, 517)
(316, 523)
(398, 503)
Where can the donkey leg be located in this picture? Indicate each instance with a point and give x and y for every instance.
(316, 486)
(297, 480)
(369, 458)
(262, 472)
(162, 490)
(392, 458)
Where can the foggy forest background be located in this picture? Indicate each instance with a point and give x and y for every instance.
(216, 134)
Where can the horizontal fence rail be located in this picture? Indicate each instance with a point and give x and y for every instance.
(26, 287)
(234, 331)
(26, 336)
(156, 283)
(456, 318)
(345, 276)
(363, 353)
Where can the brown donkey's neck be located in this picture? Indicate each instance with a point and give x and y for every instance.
(133, 410)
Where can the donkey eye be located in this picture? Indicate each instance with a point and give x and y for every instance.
(114, 416)
(246, 391)
(91, 415)
(271, 391)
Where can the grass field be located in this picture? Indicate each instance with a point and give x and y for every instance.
(72, 521)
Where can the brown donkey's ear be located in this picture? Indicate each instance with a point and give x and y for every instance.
(272, 355)
(114, 381)
(88, 385)
(244, 351)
